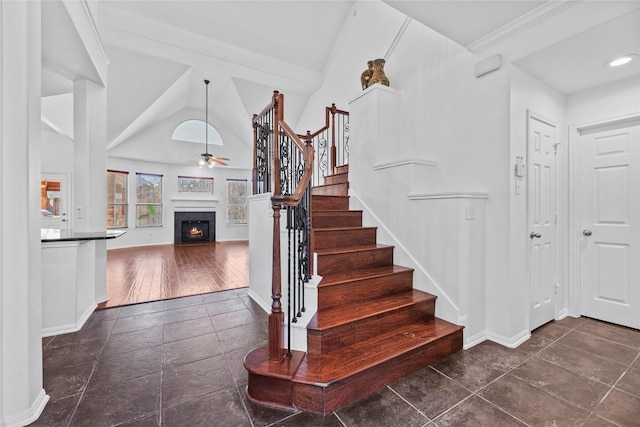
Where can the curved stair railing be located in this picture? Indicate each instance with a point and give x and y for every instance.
(285, 164)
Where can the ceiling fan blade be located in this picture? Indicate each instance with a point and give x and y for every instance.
(222, 158)
(218, 161)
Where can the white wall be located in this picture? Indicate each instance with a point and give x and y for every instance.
(57, 152)
(609, 102)
(171, 197)
(447, 116)
(462, 123)
(155, 144)
(367, 34)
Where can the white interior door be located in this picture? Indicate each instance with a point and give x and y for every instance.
(610, 223)
(54, 201)
(541, 219)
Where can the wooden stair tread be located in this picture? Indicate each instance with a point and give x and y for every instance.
(333, 184)
(337, 177)
(329, 196)
(351, 360)
(361, 274)
(345, 228)
(337, 316)
(329, 211)
(346, 173)
(350, 249)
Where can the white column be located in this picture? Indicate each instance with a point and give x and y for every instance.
(22, 396)
(90, 170)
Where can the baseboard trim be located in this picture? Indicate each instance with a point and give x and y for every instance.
(100, 300)
(511, 342)
(30, 415)
(266, 307)
(474, 340)
(71, 327)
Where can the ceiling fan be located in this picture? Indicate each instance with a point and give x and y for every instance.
(206, 158)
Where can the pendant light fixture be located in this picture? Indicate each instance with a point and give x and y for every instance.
(206, 158)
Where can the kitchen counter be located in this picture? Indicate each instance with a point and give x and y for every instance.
(73, 277)
(57, 235)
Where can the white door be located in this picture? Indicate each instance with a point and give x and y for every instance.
(610, 223)
(54, 201)
(541, 219)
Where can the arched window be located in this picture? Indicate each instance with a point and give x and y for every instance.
(194, 131)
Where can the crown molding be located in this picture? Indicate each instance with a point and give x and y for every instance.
(523, 23)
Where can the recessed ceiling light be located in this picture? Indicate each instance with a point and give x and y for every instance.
(622, 60)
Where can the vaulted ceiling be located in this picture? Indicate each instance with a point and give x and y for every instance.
(160, 52)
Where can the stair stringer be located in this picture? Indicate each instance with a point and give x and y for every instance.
(446, 308)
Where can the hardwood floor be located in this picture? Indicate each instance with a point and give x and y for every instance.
(152, 273)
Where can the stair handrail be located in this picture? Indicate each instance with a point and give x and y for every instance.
(332, 156)
(283, 164)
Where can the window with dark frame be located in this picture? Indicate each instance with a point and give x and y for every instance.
(189, 184)
(236, 201)
(117, 199)
(148, 200)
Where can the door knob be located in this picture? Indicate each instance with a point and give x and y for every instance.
(586, 232)
(534, 234)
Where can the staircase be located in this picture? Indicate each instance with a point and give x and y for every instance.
(371, 329)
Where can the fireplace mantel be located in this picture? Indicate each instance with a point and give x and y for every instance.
(194, 203)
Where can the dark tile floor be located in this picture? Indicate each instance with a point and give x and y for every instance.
(179, 363)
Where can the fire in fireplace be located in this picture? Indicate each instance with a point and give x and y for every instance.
(195, 231)
(194, 227)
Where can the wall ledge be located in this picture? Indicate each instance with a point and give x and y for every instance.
(449, 195)
(408, 162)
(194, 203)
(376, 87)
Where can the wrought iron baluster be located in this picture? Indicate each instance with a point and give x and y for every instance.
(345, 140)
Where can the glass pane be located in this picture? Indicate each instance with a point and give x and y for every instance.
(116, 187)
(236, 192)
(50, 198)
(149, 215)
(116, 216)
(149, 189)
(237, 214)
(193, 184)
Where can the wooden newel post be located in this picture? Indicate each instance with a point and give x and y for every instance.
(276, 318)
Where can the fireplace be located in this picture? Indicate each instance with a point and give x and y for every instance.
(194, 227)
(195, 231)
